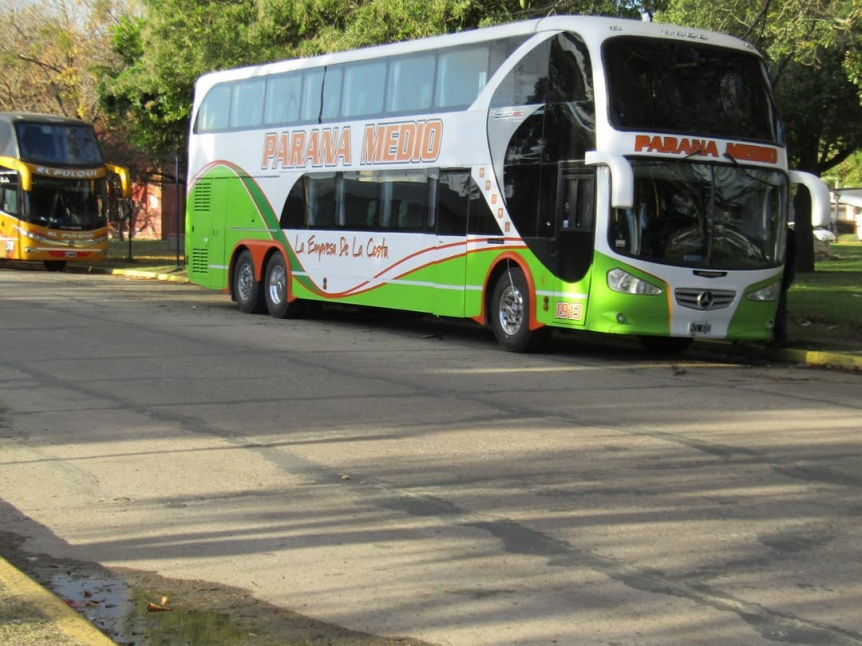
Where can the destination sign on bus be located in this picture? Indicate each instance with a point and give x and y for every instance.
(693, 147)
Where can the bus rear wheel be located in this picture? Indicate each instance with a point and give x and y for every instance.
(54, 265)
(246, 290)
(510, 314)
(276, 289)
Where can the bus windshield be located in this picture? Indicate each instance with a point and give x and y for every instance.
(689, 88)
(708, 216)
(58, 144)
(72, 205)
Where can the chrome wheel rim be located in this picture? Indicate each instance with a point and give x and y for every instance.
(511, 313)
(277, 285)
(245, 282)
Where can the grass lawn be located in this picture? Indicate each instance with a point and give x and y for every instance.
(831, 297)
(146, 255)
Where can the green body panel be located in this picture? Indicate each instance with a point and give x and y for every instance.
(753, 320)
(641, 314)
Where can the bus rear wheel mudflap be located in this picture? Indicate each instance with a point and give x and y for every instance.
(276, 291)
(510, 313)
(246, 289)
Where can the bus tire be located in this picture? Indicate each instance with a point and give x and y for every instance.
(247, 290)
(510, 313)
(667, 345)
(54, 265)
(276, 292)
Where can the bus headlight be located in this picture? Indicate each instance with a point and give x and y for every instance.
(768, 293)
(624, 283)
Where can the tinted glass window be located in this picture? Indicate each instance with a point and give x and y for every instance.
(364, 89)
(283, 96)
(461, 76)
(453, 194)
(215, 109)
(525, 84)
(670, 86)
(361, 200)
(58, 143)
(247, 105)
(411, 84)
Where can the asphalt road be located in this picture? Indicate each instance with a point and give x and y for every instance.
(362, 470)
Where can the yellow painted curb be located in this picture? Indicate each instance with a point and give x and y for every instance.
(166, 277)
(816, 358)
(51, 607)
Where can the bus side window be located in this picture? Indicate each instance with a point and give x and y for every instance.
(247, 104)
(453, 190)
(410, 86)
(364, 85)
(360, 201)
(9, 191)
(461, 76)
(321, 203)
(215, 110)
(321, 94)
(409, 200)
(294, 211)
(283, 95)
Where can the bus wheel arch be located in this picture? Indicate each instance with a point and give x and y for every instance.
(245, 288)
(510, 308)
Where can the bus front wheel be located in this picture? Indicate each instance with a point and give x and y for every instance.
(510, 313)
(276, 290)
(246, 290)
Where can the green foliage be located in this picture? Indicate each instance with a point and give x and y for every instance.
(164, 49)
(812, 49)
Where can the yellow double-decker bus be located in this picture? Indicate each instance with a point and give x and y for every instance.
(54, 190)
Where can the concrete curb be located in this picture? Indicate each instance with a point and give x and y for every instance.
(134, 273)
(51, 607)
(817, 358)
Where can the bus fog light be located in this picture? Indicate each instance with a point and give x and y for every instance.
(768, 293)
(621, 318)
(624, 283)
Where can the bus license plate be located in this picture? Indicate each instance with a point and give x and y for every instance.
(699, 328)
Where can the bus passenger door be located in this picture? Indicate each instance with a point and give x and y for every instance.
(574, 242)
(450, 203)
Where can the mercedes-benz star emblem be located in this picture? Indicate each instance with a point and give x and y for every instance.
(705, 300)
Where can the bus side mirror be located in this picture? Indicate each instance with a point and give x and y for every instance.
(24, 174)
(622, 177)
(125, 180)
(821, 206)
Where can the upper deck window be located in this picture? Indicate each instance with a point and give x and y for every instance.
(689, 88)
(443, 80)
(50, 143)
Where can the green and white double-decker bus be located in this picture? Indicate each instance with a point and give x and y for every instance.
(581, 173)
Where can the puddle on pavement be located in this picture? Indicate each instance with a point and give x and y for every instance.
(126, 616)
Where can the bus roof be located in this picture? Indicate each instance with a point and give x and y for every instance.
(34, 117)
(591, 28)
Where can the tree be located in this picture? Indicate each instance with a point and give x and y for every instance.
(169, 43)
(50, 51)
(813, 52)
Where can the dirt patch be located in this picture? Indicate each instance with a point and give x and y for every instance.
(136, 608)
